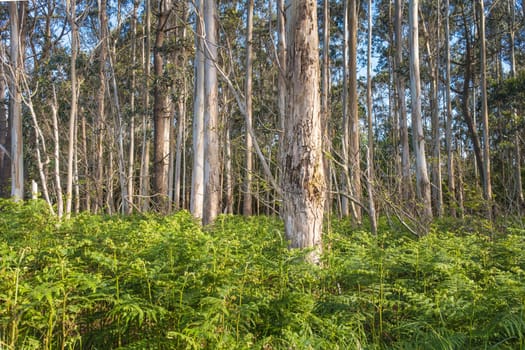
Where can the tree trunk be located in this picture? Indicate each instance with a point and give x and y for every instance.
(161, 113)
(212, 164)
(303, 181)
(5, 156)
(487, 186)
(354, 153)
(448, 130)
(370, 149)
(422, 180)
(247, 201)
(16, 16)
(325, 101)
(406, 182)
(345, 210)
(433, 61)
(101, 112)
(197, 180)
(144, 178)
(74, 101)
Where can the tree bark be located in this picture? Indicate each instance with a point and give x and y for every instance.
(448, 128)
(406, 182)
(16, 16)
(144, 178)
(422, 180)
(370, 148)
(74, 104)
(197, 181)
(212, 164)
(5, 146)
(303, 181)
(100, 118)
(487, 186)
(247, 195)
(354, 152)
(161, 112)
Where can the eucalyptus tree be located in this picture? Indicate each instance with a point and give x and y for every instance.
(422, 180)
(247, 198)
(487, 185)
(354, 152)
(212, 163)
(17, 15)
(303, 179)
(197, 180)
(72, 19)
(162, 108)
(399, 78)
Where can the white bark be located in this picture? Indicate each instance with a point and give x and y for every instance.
(197, 181)
(370, 148)
(422, 180)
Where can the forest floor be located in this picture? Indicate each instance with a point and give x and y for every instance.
(152, 282)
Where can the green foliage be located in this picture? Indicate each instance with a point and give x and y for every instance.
(151, 282)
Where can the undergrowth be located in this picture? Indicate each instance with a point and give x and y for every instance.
(151, 282)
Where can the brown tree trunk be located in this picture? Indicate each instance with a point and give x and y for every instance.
(354, 152)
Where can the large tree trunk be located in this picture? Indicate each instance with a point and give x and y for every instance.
(422, 180)
(212, 164)
(303, 181)
(247, 199)
(197, 180)
(161, 112)
(16, 16)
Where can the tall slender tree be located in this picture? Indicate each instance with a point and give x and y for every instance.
(422, 180)
(16, 16)
(212, 165)
(72, 16)
(161, 109)
(487, 185)
(247, 198)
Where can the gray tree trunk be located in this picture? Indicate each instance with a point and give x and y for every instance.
(212, 164)
(303, 180)
(247, 195)
(16, 17)
(197, 181)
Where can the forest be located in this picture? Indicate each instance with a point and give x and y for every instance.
(160, 161)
